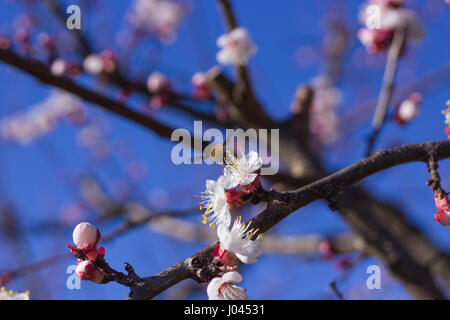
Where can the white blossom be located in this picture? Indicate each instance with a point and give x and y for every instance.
(10, 295)
(236, 47)
(241, 171)
(214, 201)
(223, 288)
(239, 241)
(161, 17)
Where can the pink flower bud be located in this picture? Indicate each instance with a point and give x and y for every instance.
(408, 109)
(4, 43)
(199, 82)
(443, 209)
(224, 256)
(157, 82)
(86, 235)
(5, 278)
(447, 131)
(109, 60)
(234, 198)
(86, 270)
(159, 86)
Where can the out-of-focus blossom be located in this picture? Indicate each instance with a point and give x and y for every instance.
(199, 82)
(326, 249)
(92, 138)
(86, 270)
(159, 87)
(157, 82)
(40, 118)
(443, 208)
(237, 243)
(47, 41)
(109, 60)
(93, 64)
(105, 61)
(70, 213)
(159, 17)
(242, 171)
(224, 289)
(4, 43)
(22, 36)
(408, 109)
(159, 199)
(324, 119)
(137, 169)
(381, 19)
(5, 277)
(236, 47)
(58, 67)
(214, 201)
(10, 295)
(86, 237)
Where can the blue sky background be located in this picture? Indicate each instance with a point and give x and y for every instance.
(38, 179)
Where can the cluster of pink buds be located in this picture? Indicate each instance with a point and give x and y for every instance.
(408, 109)
(86, 238)
(199, 82)
(443, 208)
(104, 62)
(159, 86)
(381, 19)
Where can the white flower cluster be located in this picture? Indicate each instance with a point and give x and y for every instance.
(220, 196)
(10, 295)
(160, 17)
(236, 47)
(240, 243)
(41, 118)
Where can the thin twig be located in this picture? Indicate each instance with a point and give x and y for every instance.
(335, 289)
(384, 98)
